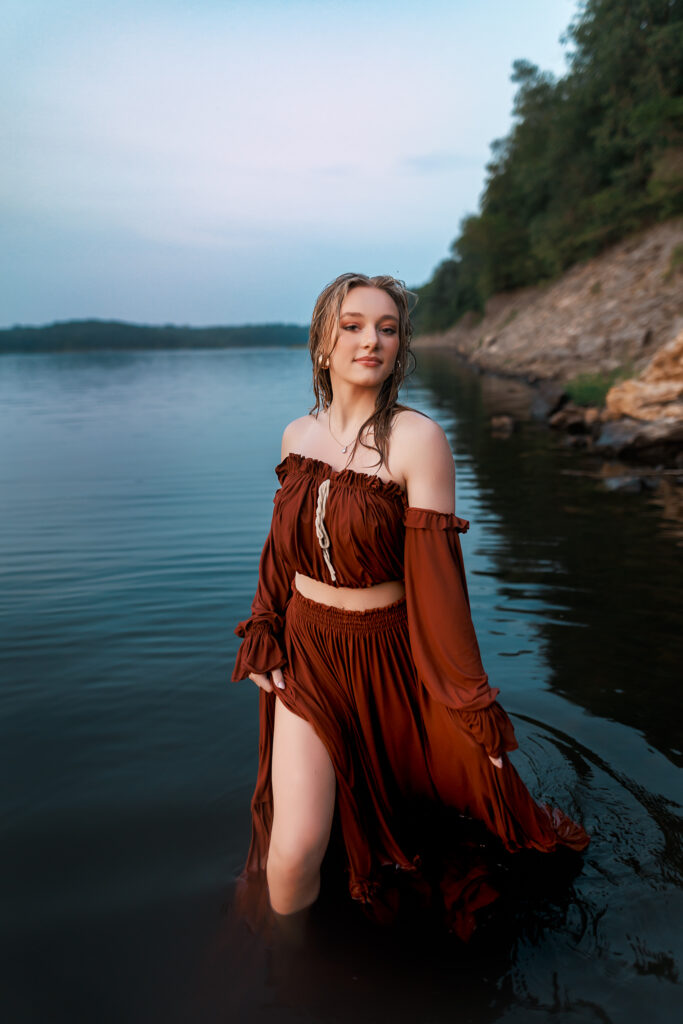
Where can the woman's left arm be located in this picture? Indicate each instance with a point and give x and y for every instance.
(442, 635)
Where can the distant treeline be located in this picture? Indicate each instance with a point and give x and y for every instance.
(85, 335)
(591, 157)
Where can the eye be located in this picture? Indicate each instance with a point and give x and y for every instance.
(350, 327)
(388, 330)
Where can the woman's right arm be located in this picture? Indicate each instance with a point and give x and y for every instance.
(262, 653)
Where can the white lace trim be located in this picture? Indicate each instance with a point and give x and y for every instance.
(321, 532)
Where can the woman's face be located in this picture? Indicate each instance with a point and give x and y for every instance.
(367, 343)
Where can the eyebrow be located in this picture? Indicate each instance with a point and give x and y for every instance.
(387, 316)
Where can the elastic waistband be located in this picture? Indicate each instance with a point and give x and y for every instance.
(351, 619)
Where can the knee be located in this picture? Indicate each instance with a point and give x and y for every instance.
(294, 860)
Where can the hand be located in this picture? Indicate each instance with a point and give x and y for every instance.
(264, 682)
(497, 761)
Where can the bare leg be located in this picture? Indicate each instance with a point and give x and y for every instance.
(303, 807)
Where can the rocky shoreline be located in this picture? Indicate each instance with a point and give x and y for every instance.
(641, 420)
(618, 317)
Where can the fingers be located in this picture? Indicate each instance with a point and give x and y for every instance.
(261, 680)
(278, 678)
(497, 761)
(264, 680)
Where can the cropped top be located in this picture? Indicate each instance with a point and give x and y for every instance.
(351, 529)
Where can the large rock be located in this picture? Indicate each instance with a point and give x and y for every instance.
(657, 393)
(659, 441)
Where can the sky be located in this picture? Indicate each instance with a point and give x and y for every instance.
(218, 162)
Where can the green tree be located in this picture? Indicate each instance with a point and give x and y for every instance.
(590, 157)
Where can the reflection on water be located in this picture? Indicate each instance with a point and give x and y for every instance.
(135, 493)
(598, 570)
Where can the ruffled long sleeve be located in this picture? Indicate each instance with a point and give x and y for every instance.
(262, 648)
(442, 636)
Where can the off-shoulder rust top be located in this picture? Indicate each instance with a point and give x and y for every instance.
(351, 529)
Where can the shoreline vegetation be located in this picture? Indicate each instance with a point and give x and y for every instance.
(96, 335)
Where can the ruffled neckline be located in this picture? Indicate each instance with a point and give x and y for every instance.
(344, 476)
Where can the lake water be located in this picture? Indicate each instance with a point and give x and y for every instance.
(135, 495)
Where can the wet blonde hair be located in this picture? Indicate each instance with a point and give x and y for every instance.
(323, 338)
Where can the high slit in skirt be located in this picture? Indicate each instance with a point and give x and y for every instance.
(410, 778)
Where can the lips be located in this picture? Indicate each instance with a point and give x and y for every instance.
(368, 362)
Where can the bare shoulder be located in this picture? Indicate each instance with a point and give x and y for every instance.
(421, 453)
(294, 434)
(416, 437)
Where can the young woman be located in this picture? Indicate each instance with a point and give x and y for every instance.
(374, 704)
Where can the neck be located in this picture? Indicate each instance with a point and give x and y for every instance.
(350, 407)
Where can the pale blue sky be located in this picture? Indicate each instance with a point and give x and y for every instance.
(219, 162)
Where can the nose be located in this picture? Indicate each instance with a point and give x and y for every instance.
(371, 336)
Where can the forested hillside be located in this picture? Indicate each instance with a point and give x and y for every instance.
(591, 157)
(87, 335)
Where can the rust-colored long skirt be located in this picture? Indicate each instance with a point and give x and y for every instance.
(397, 756)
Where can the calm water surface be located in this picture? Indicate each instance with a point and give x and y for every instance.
(135, 495)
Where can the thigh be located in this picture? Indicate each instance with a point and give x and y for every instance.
(303, 783)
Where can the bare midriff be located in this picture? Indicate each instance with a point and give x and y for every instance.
(352, 598)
